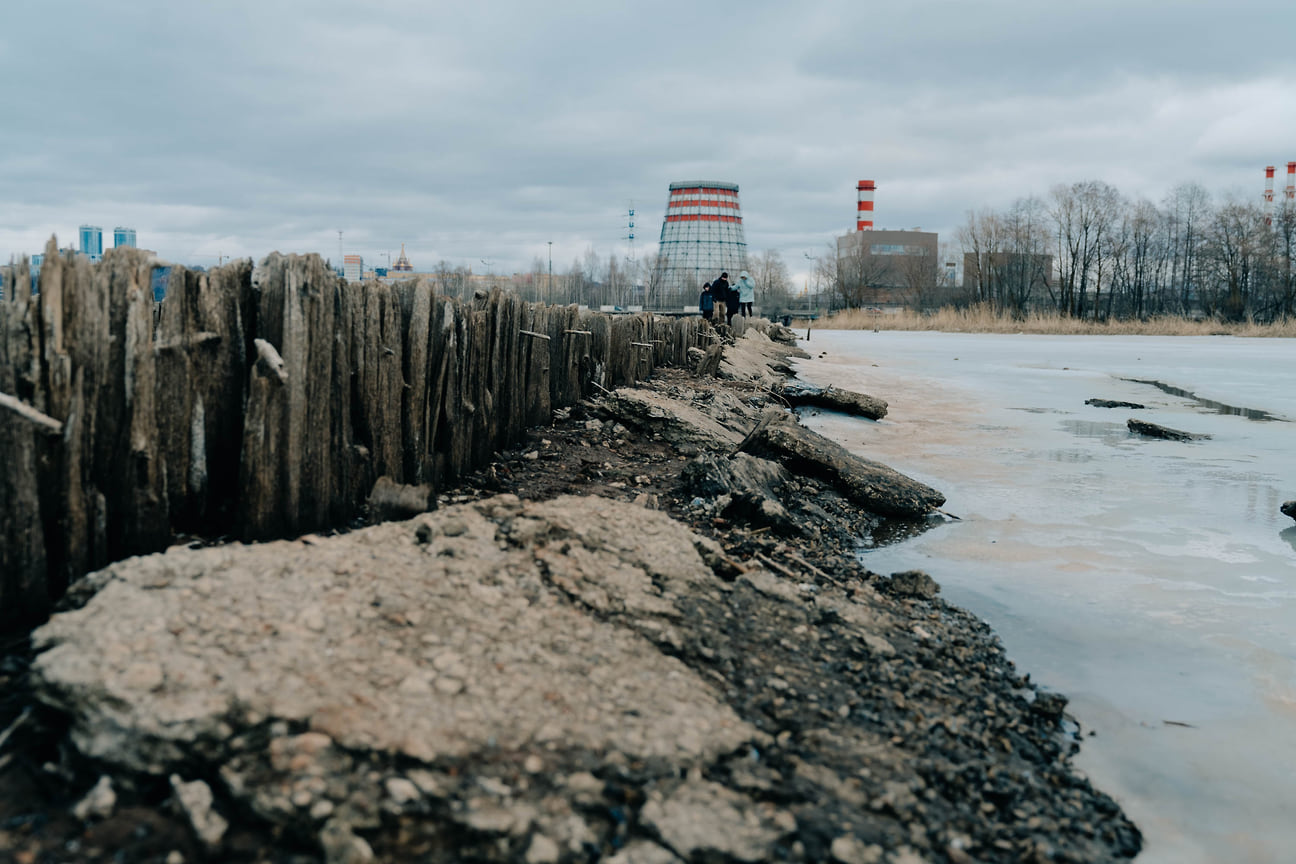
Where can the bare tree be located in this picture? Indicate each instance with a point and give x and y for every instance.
(917, 275)
(1140, 257)
(1187, 210)
(772, 282)
(1026, 269)
(1006, 261)
(982, 239)
(855, 276)
(1284, 227)
(1235, 247)
(451, 281)
(1083, 214)
(653, 287)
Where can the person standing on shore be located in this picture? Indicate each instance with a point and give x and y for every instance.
(746, 294)
(706, 303)
(720, 288)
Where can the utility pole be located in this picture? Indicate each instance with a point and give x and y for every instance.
(549, 288)
(341, 263)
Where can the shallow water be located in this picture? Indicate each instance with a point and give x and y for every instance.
(1152, 581)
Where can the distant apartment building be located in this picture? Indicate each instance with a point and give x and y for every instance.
(352, 268)
(124, 237)
(92, 241)
(886, 267)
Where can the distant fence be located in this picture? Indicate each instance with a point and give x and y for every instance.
(261, 402)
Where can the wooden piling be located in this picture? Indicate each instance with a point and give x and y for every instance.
(262, 401)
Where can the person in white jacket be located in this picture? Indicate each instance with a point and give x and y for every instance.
(746, 293)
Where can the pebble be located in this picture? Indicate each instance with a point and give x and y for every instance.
(98, 802)
(542, 850)
(401, 791)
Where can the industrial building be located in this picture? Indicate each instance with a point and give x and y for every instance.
(701, 237)
(883, 267)
(1289, 194)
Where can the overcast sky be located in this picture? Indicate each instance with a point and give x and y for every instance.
(480, 133)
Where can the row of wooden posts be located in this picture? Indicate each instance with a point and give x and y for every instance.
(261, 402)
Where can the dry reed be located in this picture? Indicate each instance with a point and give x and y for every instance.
(982, 319)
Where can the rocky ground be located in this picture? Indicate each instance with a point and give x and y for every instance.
(639, 637)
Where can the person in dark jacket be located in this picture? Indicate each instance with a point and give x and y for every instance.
(706, 303)
(727, 295)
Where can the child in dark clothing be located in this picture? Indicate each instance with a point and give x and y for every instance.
(706, 303)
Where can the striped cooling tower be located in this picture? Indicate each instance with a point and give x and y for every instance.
(701, 236)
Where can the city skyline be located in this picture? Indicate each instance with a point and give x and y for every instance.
(481, 135)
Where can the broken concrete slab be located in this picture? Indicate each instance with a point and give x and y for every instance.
(432, 638)
(748, 486)
(834, 399)
(871, 485)
(757, 358)
(676, 421)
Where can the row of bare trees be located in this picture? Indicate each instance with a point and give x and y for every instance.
(594, 281)
(1089, 252)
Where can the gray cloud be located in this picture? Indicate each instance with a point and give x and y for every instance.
(485, 131)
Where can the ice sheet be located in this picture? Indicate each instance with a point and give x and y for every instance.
(1150, 580)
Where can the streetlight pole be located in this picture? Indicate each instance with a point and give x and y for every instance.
(549, 288)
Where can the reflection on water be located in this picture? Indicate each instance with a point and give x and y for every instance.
(1109, 432)
(1150, 581)
(1217, 407)
(1071, 457)
(890, 531)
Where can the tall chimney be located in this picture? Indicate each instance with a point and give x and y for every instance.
(1290, 192)
(1268, 195)
(864, 210)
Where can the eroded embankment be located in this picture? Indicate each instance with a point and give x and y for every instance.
(707, 674)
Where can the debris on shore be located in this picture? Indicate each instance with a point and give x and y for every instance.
(644, 635)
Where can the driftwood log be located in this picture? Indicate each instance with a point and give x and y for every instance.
(1152, 430)
(1110, 403)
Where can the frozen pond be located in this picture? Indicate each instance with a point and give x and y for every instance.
(1153, 582)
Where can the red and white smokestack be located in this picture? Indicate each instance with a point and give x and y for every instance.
(1290, 192)
(864, 210)
(1268, 195)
